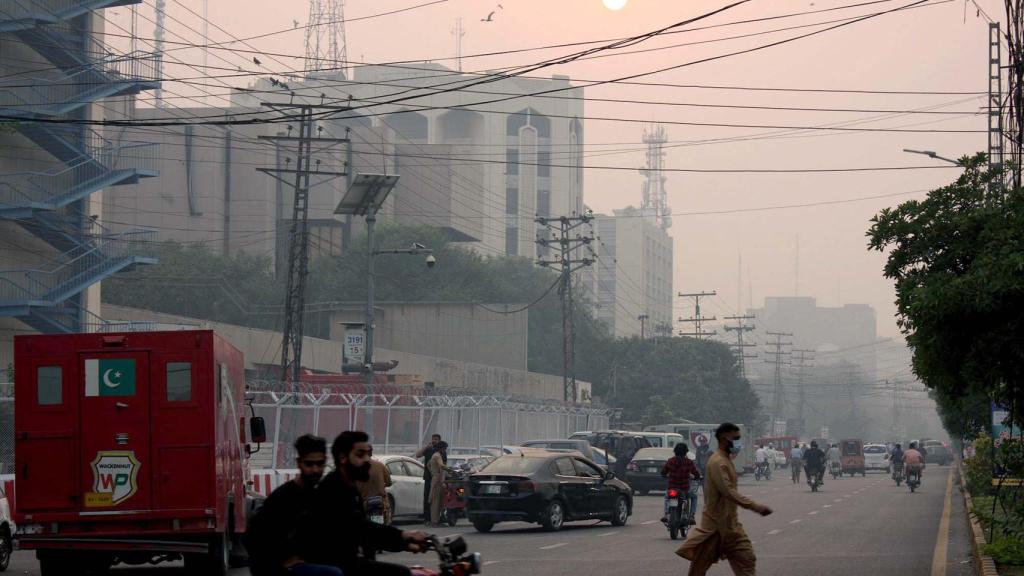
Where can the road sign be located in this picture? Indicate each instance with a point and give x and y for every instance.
(355, 345)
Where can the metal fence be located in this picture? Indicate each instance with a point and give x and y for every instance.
(403, 422)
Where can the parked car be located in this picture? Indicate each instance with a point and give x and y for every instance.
(406, 492)
(548, 488)
(469, 462)
(643, 473)
(7, 531)
(876, 457)
(664, 439)
(563, 445)
(499, 450)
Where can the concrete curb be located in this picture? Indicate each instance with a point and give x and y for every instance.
(983, 563)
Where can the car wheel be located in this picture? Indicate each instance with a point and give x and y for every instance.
(620, 512)
(391, 507)
(6, 548)
(554, 516)
(483, 525)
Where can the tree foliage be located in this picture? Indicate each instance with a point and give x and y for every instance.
(957, 260)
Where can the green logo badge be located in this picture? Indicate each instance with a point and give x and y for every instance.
(113, 377)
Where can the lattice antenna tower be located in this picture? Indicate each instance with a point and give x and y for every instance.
(326, 53)
(654, 204)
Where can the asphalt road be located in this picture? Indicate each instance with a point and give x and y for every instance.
(852, 527)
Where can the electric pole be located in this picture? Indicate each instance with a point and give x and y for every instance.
(564, 235)
(740, 346)
(777, 394)
(698, 320)
(801, 362)
(643, 325)
(310, 153)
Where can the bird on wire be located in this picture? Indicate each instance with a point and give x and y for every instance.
(490, 17)
(256, 61)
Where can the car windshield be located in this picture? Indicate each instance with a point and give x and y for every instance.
(874, 450)
(514, 465)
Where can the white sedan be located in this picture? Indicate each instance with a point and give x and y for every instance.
(406, 491)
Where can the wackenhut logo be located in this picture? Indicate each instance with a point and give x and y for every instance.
(115, 478)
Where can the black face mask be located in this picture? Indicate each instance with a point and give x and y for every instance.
(357, 473)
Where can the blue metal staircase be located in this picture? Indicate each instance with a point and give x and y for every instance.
(48, 203)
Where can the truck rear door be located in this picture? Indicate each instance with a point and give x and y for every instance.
(115, 443)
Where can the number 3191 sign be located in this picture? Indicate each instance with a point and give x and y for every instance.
(355, 345)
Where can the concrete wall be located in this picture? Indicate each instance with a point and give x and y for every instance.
(464, 332)
(262, 346)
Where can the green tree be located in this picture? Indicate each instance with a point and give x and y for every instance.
(957, 259)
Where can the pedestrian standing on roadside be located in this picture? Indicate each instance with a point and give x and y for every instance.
(439, 475)
(720, 534)
(426, 453)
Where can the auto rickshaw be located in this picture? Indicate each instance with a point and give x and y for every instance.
(851, 453)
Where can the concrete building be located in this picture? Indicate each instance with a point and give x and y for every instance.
(57, 244)
(512, 160)
(634, 274)
(845, 334)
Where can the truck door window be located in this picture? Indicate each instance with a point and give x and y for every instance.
(179, 381)
(49, 385)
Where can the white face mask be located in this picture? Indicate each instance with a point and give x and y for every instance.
(735, 446)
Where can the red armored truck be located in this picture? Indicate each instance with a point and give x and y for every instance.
(131, 448)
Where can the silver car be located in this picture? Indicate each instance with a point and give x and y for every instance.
(406, 490)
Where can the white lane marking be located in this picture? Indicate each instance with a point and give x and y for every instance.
(491, 562)
(797, 521)
(812, 512)
(607, 534)
(773, 532)
(553, 546)
(827, 506)
(648, 522)
(838, 500)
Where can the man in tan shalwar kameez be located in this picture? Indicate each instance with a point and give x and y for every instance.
(720, 534)
(438, 476)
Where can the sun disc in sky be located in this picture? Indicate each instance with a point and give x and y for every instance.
(615, 4)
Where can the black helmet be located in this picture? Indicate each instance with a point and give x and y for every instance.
(898, 447)
(814, 443)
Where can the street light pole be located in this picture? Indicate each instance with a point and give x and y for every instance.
(371, 221)
(931, 154)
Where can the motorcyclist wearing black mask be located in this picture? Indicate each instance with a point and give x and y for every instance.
(339, 526)
(814, 462)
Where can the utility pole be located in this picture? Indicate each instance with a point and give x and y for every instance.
(306, 165)
(778, 354)
(459, 32)
(698, 320)
(739, 347)
(995, 103)
(643, 325)
(564, 235)
(801, 361)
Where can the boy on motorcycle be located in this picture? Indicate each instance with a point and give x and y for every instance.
(896, 459)
(678, 470)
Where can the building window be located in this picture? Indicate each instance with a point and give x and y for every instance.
(49, 385)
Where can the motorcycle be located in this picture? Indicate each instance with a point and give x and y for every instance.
(913, 479)
(814, 480)
(897, 473)
(762, 470)
(678, 519)
(454, 559)
(836, 468)
(454, 506)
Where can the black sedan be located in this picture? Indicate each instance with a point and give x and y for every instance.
(547, 488)
(643, 473)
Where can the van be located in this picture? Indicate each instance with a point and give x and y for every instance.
(664, 439)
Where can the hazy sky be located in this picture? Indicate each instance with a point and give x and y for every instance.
(931, 48)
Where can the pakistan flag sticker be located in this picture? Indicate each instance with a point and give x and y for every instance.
(113, 377)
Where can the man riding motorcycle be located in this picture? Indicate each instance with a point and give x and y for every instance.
(814, 462)
(896, 459)
(678, 470)
(761, 460)
(913, 461)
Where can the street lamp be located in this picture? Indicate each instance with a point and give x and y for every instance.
(364, 197)
(931, 154)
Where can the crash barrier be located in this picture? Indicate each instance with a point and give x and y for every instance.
(265, 481)
(401, 422)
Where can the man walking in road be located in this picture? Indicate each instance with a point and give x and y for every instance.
(720, 534)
